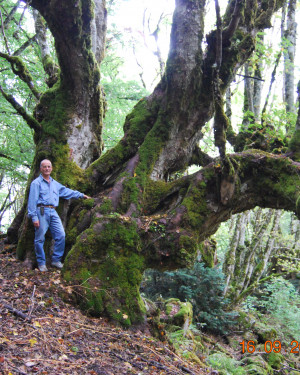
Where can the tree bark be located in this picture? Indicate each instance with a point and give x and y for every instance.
(289, 57)
(137, 219)
(69, 116)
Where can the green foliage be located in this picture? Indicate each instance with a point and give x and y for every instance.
(121, 94)
(222, 237)
(121, 97)
(202, 286)
(16, 139)
(278, 300)
(225, 364)
(16, 155)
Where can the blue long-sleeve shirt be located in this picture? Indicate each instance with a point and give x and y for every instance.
(47, 193)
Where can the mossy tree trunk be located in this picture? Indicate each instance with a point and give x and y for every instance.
(138, 218)
(69, 115)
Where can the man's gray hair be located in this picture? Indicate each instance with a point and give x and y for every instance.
(43, 161)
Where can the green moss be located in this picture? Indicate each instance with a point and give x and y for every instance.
(208, 252)
(294, 145)
(153, 193)
(186, 344)
(188, 250)
(267, 334)
(88, 203)
(184, 314)
(26, 241)
(196, 205)
(275, 360)
(109, 252)
(48, 62)
(54, 105)
(71, 236)
(131, 193)
(152, 146)
(65, 171)
(106, 206)
(137, 125)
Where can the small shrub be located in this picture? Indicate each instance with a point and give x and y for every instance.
(202, 286)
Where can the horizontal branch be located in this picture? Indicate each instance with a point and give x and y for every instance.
(185, 218)
(245, 76)
(200, 158)
(31, 121)
(24, 46)
(20, 69)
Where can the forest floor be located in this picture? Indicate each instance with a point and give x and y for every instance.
(42, 334)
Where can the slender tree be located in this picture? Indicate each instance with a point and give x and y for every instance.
(289, 57)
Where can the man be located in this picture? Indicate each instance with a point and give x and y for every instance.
(43, 199)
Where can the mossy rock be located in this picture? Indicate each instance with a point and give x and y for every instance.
(266, 334)
(256, 370)
(186, 345)
(178, 313)
(247, 321)
(275, 360)
(256, 365)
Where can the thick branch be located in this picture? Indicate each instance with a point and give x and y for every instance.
(31, 121)
(229, 31)
(24, 46)
(72, 27)
(200, 157)
(20, 69)
(260, 179)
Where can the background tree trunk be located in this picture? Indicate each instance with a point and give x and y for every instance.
(289, 57)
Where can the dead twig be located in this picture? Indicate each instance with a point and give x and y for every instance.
(16, 312)
(32, 302)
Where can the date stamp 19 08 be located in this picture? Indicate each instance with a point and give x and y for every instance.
(270, 346)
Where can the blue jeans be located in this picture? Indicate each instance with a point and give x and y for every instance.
(50, 220)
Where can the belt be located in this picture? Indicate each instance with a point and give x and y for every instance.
(44, 205)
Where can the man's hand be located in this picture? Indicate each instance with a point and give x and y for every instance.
(86, 197)
(36, 224)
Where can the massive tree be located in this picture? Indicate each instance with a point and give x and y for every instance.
(145, 213)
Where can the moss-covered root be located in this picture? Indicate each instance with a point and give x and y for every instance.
(105, 267)
(294, 145)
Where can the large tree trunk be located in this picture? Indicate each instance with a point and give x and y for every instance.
(71, 113)
(137, 218)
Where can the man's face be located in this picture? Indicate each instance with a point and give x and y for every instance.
(46, 168)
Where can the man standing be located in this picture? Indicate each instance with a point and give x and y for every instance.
(43, 199)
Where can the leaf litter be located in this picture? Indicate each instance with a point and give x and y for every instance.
(42, 334)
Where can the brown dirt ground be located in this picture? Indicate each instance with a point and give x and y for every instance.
(55, 338)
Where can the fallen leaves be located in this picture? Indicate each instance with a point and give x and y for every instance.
(59, 339)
